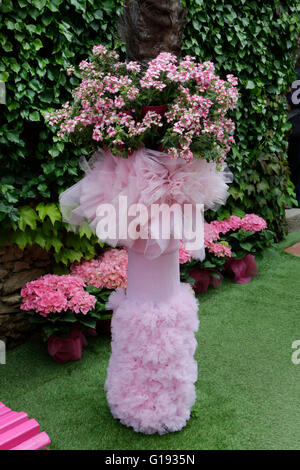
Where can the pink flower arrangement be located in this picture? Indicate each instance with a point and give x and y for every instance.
(110, 98)
(56, 294)
(108, 271)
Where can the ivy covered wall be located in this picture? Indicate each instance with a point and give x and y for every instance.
(39, 39)
(256, 41)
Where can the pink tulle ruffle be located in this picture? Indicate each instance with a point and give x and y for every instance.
(147, 177)
(151, 373)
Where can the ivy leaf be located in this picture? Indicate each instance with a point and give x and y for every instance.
(250, 85)
(57, 244)
(85, 230)
(50, 210)
(68, 256)
(37, 44)
(28, 217)
(22, 239)
(4, 76)
(35, 116)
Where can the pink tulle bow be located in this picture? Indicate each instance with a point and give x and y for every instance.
(147, 177)
(242, 269)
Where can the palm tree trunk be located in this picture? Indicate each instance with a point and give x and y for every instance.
(149, 27)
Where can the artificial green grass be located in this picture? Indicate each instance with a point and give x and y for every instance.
(248, 389)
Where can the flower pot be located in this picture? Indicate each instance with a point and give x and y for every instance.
(160, 109)
(63, 350)
(242, 270)
(204, 278)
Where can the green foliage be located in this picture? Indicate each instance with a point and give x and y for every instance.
(43, 226)
(60, 324)
(40, 38)
(101, 295)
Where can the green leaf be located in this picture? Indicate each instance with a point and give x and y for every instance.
(88, 322)
(28, 217)
(4, 76)
(250, 85)
(48, 210)
(39, 4)
(246, 246)
(35, 116)
(69, 317)
(57, 244)
(22, 239)
(85, 230)
(37, 44)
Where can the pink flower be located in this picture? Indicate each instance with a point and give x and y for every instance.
(107, 86)
(253, 222)
(55, 294)
(219, 250)
(184, 254)
(109, 270)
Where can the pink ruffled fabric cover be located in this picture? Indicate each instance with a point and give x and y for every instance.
(147, 177)
(151, 373)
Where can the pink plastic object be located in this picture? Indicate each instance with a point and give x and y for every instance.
(18, 432)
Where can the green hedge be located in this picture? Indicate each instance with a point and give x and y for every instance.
(40, 38)
(256, 41)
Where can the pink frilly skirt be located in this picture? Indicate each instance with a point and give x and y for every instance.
(146, 177)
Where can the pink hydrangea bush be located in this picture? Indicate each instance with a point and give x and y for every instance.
(213, 231)
(108, 271)
(57, 301)
(108, 108)
(56, 294)
(225, 241)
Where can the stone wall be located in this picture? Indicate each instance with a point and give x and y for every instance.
(16, 268)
